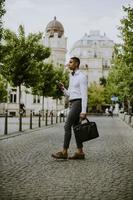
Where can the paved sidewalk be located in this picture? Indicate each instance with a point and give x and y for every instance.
(13, 124)
(27, 171)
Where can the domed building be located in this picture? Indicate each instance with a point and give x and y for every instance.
(55, 39)
(54, 26)
(95, 53)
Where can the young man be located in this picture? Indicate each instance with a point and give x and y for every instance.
(77, 93)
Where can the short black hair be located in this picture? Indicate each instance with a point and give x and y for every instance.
(76, 59)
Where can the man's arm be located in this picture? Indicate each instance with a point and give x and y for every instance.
(84, 95)
(63, 89)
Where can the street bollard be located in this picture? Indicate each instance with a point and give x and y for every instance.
(64, 117)
(6, 123)
(46, 119)
(56, 118)
(39, 119)
(31, 119)
(51, 117)
(20, 120)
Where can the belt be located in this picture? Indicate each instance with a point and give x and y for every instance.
(72, 100)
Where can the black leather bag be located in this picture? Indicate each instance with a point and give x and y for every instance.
(86, 131)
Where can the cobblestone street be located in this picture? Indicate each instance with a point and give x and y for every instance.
(28, 172)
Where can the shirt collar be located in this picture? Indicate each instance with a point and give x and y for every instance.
(77, 71)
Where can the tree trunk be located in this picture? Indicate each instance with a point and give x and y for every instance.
(123, 105)
(20, 112)
(19, 99)
(129, 106)
(43, 108)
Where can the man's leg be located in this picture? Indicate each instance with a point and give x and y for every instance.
(79, 154)
(72, 119)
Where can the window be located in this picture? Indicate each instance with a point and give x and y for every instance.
(36, 99)
(13, 98)
(105, 64)
(13, 95)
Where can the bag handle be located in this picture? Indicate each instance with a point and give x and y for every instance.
(83, 120)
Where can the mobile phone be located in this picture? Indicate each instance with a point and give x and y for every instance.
(60, 85)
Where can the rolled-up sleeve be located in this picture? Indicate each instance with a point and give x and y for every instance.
(84, 92)
(66, 92)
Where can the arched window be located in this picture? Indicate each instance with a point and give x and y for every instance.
(13, 96)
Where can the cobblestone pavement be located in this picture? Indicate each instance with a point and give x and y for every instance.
(27, 171)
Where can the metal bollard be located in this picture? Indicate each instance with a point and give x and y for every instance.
(20, 120)
(39, 119)
(31, 119)
(46, 119)
(63, 116)
(56, 118)
(6, 123)
(52, 118)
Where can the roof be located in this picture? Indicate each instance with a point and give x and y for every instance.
(54, 26)
(93, 36)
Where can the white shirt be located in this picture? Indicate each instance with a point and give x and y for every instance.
(77, 89)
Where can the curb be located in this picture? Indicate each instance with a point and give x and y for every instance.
(18, 133)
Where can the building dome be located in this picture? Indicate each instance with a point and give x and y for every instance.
(54, 26)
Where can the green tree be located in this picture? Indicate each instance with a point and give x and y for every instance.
(96, 96)
(126, 30)
(62, 76)
(45, 85)
(22, 58)
(116, 81)
(2, 12)
(120, 79)
(3, 91)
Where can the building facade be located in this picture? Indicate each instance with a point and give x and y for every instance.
(55, 39)
(95, 53)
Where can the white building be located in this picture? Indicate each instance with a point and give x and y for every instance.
(55, 39)
(95, 53)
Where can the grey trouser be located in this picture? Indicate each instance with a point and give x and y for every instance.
(72, 120)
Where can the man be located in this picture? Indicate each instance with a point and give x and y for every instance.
(77, 93)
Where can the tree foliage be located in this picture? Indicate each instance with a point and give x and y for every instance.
(22, 57)
(120, 79)
(96, 96)
(2, 12)
(61, 75)
(3, 91)
(46, 81)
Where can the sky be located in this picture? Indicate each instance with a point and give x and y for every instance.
(77, 16)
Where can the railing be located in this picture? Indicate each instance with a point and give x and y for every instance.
(10, 124)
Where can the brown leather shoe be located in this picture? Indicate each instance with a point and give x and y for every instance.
(60, 155)
(77, 156)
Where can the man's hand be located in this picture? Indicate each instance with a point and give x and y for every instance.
(82, 116)
(60, 85)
